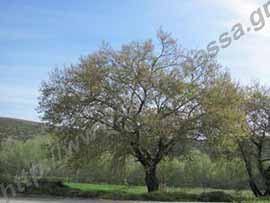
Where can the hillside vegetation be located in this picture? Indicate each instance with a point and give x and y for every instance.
(19, 129)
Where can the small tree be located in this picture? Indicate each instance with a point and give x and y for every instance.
(256, 149)
(144, 102)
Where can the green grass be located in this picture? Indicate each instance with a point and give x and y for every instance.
(141, 189)
(107, 188)
(253, 200)
(122, 192)
(137, 192)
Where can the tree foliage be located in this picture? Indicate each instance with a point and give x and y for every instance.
(143, 101)
(255, 149)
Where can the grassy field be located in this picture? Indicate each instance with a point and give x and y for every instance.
(107, 188)
(135, 192)
(142, 189)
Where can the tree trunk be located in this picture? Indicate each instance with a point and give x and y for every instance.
(266, 176)
(267, 189)
(255, 189)
(252, 183)
(151, 179)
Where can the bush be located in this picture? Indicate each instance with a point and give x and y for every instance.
(19, 156)
(154, 196)
(170, 196)
(215, 197)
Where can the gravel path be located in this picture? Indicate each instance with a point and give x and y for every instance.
(37, 200)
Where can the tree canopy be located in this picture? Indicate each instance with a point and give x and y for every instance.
(147, 100)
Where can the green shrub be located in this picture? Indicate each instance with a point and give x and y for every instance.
(217, 196)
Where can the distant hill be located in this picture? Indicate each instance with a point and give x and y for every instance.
(19, 129)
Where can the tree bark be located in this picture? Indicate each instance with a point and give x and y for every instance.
(151, 179)
(252, 183)
(254, 188)
(267, 189)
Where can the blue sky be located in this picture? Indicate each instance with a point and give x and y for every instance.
(37, 36)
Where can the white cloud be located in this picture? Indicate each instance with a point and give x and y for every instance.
(242, 8)
(248, 57)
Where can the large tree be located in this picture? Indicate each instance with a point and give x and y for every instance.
(144, 101)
